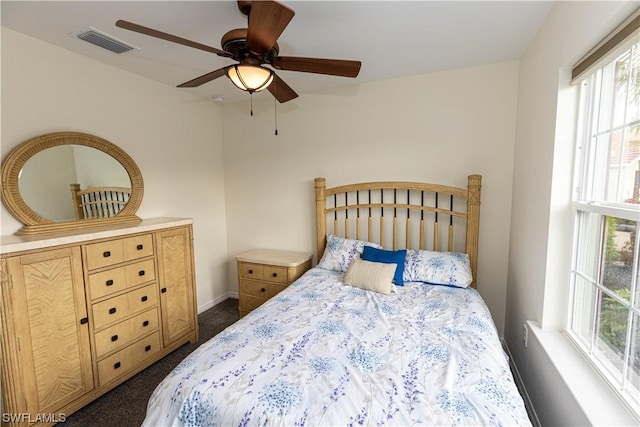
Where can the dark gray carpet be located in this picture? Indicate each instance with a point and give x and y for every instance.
(126, 404)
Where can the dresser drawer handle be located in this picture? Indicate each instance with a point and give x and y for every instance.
(84, 320)
(109, 282)
(163, 290)
(116, 365)
(147, 348)
(112, 310)
(114, 338)
(139, 247)
(145, 323)
(263, 290)
(141, 273)
(144, 298)
(106, 254)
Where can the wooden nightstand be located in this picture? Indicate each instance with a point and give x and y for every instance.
(263, 273)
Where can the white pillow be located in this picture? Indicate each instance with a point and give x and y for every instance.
(371, 276)
(339, 252)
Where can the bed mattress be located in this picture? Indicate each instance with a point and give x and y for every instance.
(323, 353)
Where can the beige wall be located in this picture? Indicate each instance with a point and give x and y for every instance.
(541, 220)
(434, 128)
(175, 138)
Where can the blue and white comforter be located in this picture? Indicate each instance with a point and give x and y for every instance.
(324, 354)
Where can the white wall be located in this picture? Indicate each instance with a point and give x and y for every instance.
(174, 137)
(433, 128)
(540, 235)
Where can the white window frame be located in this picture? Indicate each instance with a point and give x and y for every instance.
(582, 206)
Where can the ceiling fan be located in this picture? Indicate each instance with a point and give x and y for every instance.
(254, 46)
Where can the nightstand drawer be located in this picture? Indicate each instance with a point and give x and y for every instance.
(251, 271)
(248, 303)
(259, 289)
(275, 274)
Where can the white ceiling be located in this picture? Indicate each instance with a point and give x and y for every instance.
(391, 38)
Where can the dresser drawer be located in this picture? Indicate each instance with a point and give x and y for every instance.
(116, 308)
(140, 272)
(104, 254)
(259, 289)
(116, 251)
(115, 365)
(137, 247)
(145, 348)
(119, 278)
(107, 282)
(126, 331)
(112, 338)
(251, 271)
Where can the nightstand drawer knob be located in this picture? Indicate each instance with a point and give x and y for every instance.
(263, 290)
(275, 274)
(250, 271)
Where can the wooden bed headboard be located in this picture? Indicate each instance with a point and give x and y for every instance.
(98, 202)
(400, 215)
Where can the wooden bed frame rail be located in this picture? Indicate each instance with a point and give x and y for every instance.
(403, 212)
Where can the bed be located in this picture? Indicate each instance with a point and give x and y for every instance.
(407, 341)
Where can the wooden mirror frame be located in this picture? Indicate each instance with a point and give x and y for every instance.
(34, 223)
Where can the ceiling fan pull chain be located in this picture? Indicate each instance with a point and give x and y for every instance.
(251, 98)
(275, 109)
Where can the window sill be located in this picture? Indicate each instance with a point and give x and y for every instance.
(598, 402)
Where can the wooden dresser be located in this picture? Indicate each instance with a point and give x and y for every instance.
(263, 273)
(83, 312)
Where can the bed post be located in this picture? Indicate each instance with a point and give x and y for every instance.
(77, 201)
(473, 222)
(321, 218)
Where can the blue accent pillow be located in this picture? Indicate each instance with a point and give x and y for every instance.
(389, 257)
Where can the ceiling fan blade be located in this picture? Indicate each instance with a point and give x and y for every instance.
(168, 37)
(205, 78)
(333, 67)
(267, 20)
(280, 90)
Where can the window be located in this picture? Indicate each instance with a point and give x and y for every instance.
(605, 302)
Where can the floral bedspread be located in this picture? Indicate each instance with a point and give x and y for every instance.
(324, 354)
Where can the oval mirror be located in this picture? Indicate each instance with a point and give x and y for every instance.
(66, 180)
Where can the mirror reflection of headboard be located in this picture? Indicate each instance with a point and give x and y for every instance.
(98, 202)
(30, 210)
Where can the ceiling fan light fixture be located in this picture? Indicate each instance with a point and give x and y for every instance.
(250, 78)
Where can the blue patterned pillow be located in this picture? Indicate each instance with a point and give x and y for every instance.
(438, 268)
(339, 252)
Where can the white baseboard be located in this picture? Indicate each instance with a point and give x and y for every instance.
(533, 416)
(212, 303)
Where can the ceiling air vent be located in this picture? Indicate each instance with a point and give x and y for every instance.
(105, 41)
